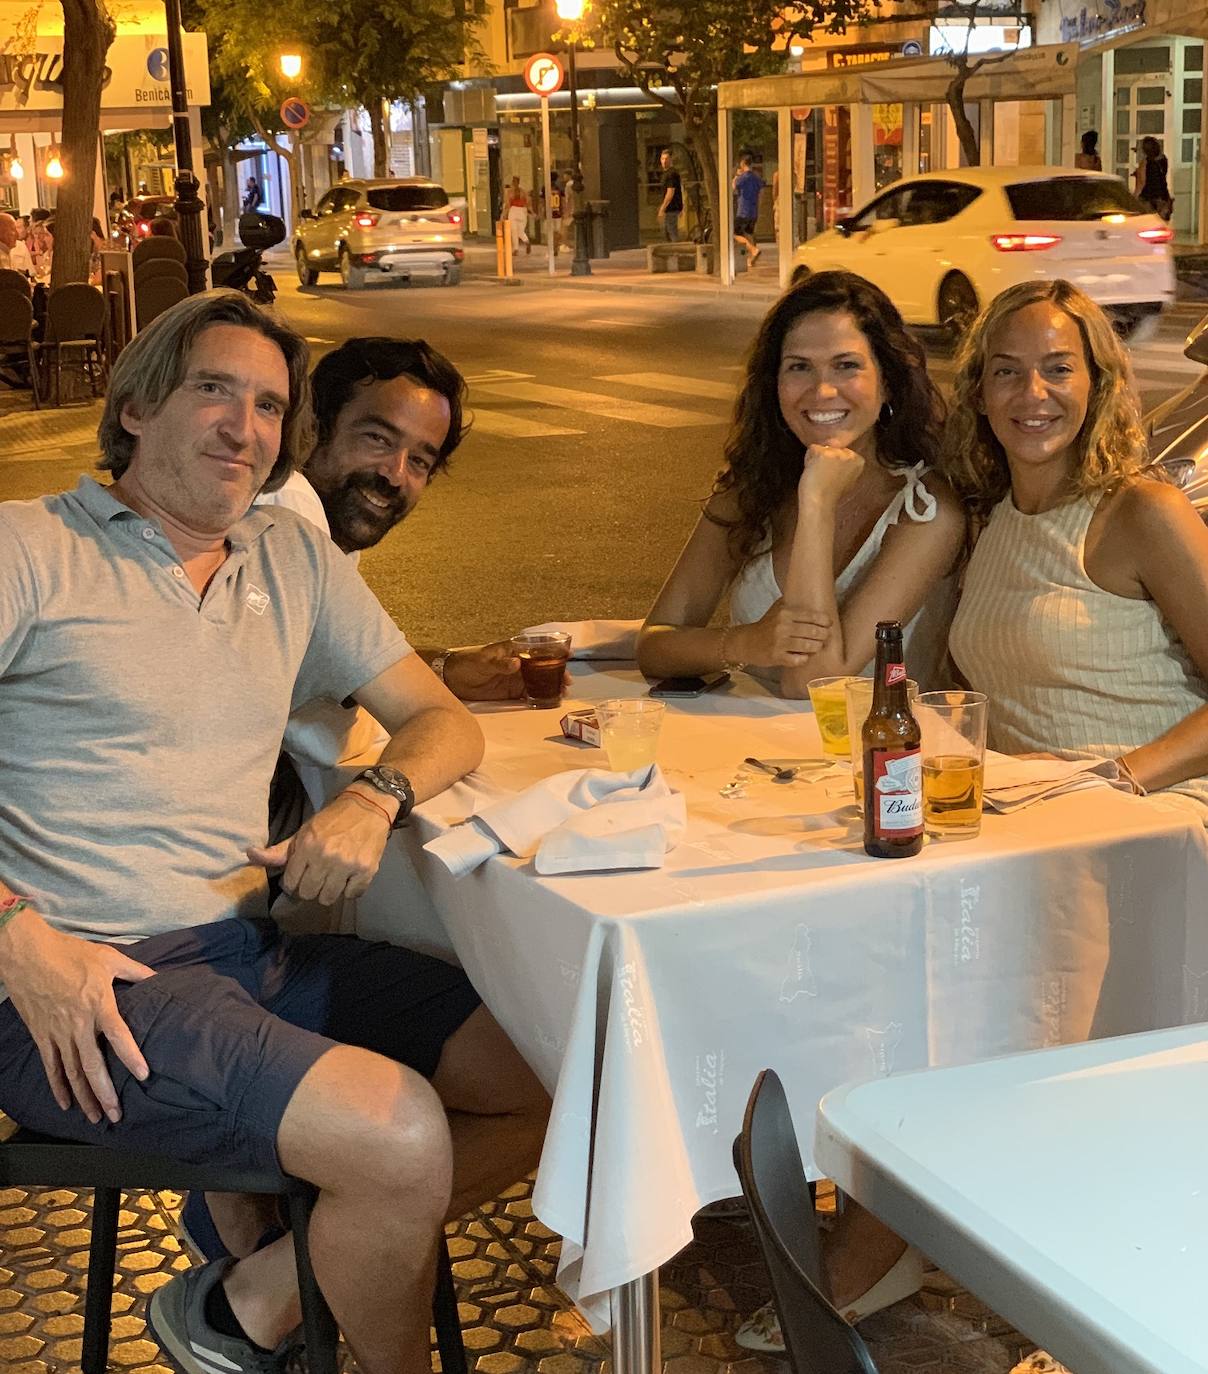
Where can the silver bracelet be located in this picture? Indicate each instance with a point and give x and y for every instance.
(728, 664)
(438, 664)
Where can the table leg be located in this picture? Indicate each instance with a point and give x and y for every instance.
(636, 1335)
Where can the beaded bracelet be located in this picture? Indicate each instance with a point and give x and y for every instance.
(10, 907)
(726, 663)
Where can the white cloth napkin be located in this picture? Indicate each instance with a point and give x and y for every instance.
(586, 819)
(615, 639)
(1015, 783)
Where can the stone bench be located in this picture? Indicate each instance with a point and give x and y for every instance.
(687, 257)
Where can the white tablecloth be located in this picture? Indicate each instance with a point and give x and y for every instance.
(648, 1001)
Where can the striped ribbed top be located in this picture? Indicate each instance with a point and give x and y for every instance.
(1070, 669)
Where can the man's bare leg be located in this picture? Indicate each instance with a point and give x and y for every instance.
(498, 1111)
(372, 1136)
(241, 1219)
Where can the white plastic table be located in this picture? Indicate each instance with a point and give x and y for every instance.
(1067, 1188)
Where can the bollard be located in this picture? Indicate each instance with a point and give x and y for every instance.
(503, 249)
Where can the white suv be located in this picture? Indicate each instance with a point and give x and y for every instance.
(375, 230)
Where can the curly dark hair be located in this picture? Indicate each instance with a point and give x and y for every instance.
(764, 458)
(356, 362)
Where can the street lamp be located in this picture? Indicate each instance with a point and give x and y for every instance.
(572, 12)
(291, 65)
(188, 202)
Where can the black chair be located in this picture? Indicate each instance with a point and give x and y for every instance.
(28, 1159)
(817, 1340)
(17, 335)
(75, 323)
(158, 246)
(12, 280)
(152, 298)
(153, 269)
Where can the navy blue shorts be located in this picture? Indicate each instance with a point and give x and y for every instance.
(235, 1016)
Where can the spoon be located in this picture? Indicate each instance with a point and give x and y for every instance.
(778, 774)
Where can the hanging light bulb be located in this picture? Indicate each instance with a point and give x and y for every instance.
(54, 165)
(15, 169)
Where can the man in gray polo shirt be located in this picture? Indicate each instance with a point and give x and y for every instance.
(154, 637)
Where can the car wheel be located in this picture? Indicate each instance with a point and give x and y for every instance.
(453, 275)
(957, 305)
(306, 273)
(352, 277)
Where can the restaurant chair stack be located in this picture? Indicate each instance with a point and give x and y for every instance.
(74, 334)
(28, 1159)
(17, 334)
(816, 1338)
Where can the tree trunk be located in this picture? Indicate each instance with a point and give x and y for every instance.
(377, 124)
(955, 98)
(701, 135)
(88, 31)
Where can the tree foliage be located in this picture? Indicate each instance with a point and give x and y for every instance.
(355, 52)
(691, 45)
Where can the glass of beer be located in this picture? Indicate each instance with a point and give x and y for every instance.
(859, 703)
(542, 666)
(829, 700)
(954, 761)
(629, 731)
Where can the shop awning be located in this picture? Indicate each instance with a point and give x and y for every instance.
(1041, 73)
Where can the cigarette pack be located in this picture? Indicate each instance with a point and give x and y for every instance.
(582, 725)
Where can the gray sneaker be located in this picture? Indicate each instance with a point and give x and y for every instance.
(176, 1318)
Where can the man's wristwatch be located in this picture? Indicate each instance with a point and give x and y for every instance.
(394, 783)
(438, 664)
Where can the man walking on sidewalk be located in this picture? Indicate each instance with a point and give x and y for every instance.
(748, 185)
(673, 198)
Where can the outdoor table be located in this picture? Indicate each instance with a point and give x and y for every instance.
(647, 1001)
(1013, 1176)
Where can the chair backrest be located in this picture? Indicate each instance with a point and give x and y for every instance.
(152, 298)
(817, 1339)
(158, 246)
(75, 311)
(151, 268)
(12, 280)
(16, 316)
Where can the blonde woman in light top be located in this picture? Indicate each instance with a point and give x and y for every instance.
(1083, 610)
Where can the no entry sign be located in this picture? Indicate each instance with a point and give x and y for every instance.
(295, 113)
(543, 74)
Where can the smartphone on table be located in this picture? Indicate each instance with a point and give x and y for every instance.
(689, 686)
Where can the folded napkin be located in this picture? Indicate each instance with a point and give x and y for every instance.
(581, 820)
(615, 639)
(1015, 783)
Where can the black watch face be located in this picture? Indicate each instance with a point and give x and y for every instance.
(391, 775)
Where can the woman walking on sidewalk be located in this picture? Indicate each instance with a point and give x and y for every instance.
(516, 212)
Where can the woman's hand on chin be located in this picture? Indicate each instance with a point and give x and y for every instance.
(830, 473)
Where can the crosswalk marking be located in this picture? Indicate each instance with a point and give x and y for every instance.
(624, 324)
(675, 383)
(496, 374)
(592, 403)
(503, 425)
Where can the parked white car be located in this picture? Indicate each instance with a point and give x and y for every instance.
(944, 244)
(374, 230)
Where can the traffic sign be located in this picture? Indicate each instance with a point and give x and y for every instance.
(544, 74)
(295, 113)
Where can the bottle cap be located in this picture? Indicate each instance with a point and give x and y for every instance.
(889, 629)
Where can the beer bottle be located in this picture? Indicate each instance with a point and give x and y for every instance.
(893, 772)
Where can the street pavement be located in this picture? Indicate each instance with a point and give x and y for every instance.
(599, 410)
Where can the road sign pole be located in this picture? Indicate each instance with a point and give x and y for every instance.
(549, 185)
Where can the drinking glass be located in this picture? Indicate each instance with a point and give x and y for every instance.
(829, 700)
(954, 761)
(542, 666)
(629, 731)
(859, 704)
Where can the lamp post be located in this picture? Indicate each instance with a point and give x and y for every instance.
(572, 12)
(188, 202)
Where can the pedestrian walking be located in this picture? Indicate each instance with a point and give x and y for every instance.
(748, 185)
(251, 196)
(1088, 160)
(1149, 178)
(555, 209)
(516, 212)
(673, 198)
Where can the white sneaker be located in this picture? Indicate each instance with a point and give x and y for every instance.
(761, 1331)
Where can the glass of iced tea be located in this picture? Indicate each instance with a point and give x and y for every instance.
(828, 697)
(954, 762)
(542, 666)
(859, 703)
(629, 731)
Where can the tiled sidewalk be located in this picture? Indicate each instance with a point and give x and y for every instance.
(514, 1317)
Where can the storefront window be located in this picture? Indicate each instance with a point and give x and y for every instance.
(887, 144)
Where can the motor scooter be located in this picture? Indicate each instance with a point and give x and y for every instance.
(243, 268)
(1177, 429)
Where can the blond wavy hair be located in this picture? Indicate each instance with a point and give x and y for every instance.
(1111, 445)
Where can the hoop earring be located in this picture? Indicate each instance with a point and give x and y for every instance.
(886, 414)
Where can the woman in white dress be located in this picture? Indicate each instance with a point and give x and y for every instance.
(1082, 614)
(825, 518)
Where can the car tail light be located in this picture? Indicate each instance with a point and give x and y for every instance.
(365, 220)
(454, 217)
(1162, 235)
(1024, 243)
(144, 227)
